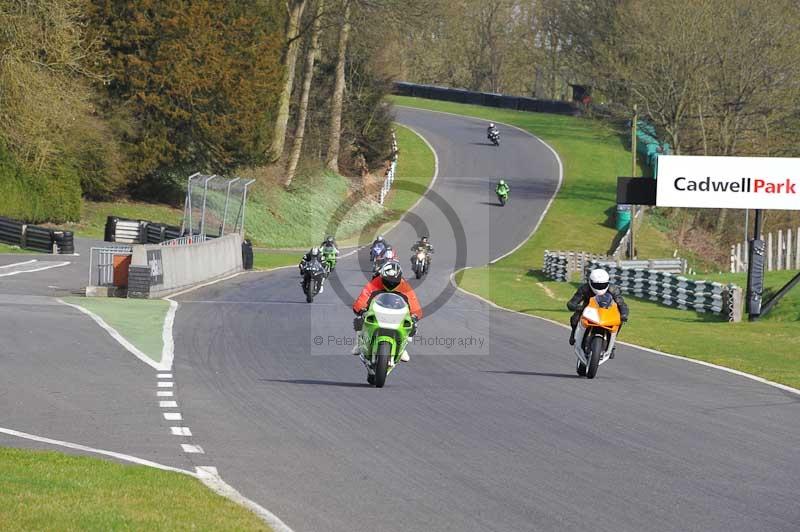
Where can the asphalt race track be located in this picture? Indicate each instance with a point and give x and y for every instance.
(488, 427)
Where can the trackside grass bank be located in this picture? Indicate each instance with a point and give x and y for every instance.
(53, 491)
(415, 169)
(581, 219)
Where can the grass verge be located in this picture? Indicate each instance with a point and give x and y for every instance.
(266, 260)
(581, 219)
(6, 248)
(53, 491)
(140, 321)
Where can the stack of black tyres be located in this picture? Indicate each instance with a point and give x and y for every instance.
(247, 255)
(65, 241)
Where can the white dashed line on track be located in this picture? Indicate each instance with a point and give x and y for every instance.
(192, 449)
(168, 404)
(173, 416)
(165, 375)
(164, 393)
(180, 431)
(164, 384)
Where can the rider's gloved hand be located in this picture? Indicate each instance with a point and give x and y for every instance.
(414, 321)
(358, 322)
(624, 319)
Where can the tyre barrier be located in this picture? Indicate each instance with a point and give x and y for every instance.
(38, 238)
(65, 242)
(247, 255)
(11, 231)
(675, 290)
(489, 99)
(129, 231)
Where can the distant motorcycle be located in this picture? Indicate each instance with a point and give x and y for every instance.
(502, 197)
(387, 255)
(494, 137)
(313, 277)
(420, 262)
(596, 334)
(329, 260)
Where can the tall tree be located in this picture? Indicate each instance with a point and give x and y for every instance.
(294, 16)
(337, 98)
(308, 76)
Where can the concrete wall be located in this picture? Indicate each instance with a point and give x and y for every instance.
(175, 268)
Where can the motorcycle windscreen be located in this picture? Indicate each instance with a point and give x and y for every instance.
(390, 310)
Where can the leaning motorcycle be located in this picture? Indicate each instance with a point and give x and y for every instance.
(386, 328)
(383, 258)
(596, 334)
(502, 197)
(313, 277)
(494, 137)
(420, 262)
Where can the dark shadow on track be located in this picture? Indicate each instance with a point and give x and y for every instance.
(320, 383)
(536, 374)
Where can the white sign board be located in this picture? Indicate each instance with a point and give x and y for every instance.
(728, 182)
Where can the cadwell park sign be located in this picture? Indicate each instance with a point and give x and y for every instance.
(728, 182)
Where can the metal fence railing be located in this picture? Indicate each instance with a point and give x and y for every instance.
(101, 263)
(390, 174)
(782, 252)
(185, 240)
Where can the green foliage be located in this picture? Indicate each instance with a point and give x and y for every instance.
(44, 196)
(198, 81)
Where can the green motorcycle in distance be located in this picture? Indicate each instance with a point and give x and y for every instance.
(384, 335)
(329, 260)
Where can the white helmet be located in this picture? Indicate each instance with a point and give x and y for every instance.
(598, 281)
(491, 125)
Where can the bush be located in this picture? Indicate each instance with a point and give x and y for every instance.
(36, 197)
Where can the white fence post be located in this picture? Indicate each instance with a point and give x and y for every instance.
(769, 252)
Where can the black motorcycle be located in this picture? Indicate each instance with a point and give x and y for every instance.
(494, 136)
(313, 277)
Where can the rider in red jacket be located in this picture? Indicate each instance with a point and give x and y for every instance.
(389, 280)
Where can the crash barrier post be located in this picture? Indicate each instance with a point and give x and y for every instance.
(247, 255)
(489, 99)
(675, 290)
(160, 270)
(34, 237)
(782, 252)
(387, 183)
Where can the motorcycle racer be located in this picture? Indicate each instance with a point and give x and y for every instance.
(599, 284)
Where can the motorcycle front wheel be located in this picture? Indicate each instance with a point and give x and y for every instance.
(382, 363)
(598, 346)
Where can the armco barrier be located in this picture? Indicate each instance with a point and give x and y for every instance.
(489, 99)
(38, 238)
(158, 270)
(10, 231)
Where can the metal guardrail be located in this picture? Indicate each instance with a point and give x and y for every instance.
(101, 263)
(185, 240)
(387, 183)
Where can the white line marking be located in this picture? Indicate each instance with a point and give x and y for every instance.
(180, 431)
(118, 337)
(164, 393)
(168, 404)
(163, 384)
(164, 375)
(168, 341)
(18, 263)
(84, 448)
(173, 416)
(209, 476)
(195, 449)
(52, 265)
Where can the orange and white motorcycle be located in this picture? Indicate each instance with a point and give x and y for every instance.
(596, 334)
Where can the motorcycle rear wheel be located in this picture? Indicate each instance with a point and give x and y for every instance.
(382, 363)
(598, 346)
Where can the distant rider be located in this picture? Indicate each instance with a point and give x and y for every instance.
(312, 256)
(389, 280)
(329, 246)
(599, 284)
(377, 247)
(502, 188)
(422, 245)
(491, 130)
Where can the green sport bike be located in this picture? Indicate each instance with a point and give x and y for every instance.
(329, 260)
(387, 326)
